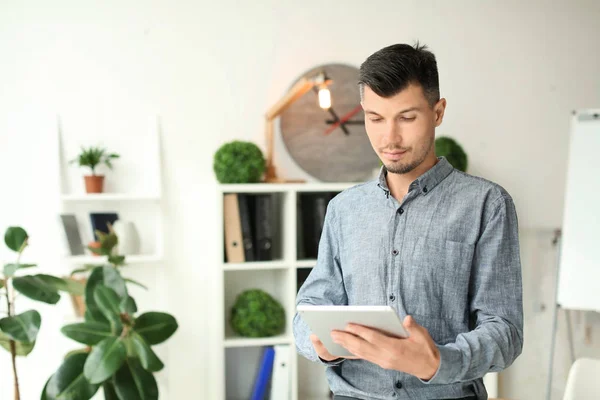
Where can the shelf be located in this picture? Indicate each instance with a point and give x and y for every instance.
(99, 197)
(255, 265)
(257, 342)
(134, 259)
(283, 187)
(306, 263)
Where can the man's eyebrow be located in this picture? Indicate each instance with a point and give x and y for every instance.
(367, 111)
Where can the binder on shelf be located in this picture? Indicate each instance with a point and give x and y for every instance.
(263, 377)
(313, 209)
(280, 382)
(264, 227)
(72, 235)
(234, 249)
(245, 205)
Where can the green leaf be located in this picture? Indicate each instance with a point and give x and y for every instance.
(133, 382)
(10, 269)
(64, 285)
(136, 283)
(23, 349)
(44, 397)
(114, 280)
(89, 333)
(23, 327)
(85, 268)
(148, 358)
(128, 305)
(16, 238)
(109, 304)
(109, 277)
(116, 260)
(105, 359)
(155, 327)
(109, 391)
(69, 382)
(108, 243)
(36, 289)
(77, 351)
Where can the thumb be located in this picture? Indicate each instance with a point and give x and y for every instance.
(410, 325)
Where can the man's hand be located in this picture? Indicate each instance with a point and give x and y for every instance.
(322, 351)
(416, 355)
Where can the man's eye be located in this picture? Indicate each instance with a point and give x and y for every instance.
(407, 119)
(376, 120)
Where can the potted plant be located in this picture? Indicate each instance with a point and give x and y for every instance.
(117, 354)
(239, 162)
(447, 147)
(91, 157)
(18, 332)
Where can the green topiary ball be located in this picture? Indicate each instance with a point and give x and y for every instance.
(454, 153)
(239, 162)
(257, 314)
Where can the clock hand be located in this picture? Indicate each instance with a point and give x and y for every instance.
(337, 121)
(341, 121)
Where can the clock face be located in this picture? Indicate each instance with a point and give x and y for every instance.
(330, 145)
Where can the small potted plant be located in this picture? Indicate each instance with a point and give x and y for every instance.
(91, 157)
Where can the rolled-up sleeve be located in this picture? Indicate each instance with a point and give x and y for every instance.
(324, 285)
(496, 303)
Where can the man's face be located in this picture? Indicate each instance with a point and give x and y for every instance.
(402, 128)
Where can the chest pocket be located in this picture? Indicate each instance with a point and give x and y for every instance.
(436, 279)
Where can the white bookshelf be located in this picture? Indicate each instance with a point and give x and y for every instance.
(133, 189)
(236, 358)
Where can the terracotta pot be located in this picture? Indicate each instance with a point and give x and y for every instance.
(95, 245)
(94, 183)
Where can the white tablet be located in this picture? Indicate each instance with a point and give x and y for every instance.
(324, 319)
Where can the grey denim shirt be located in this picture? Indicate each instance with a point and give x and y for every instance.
(447, 254)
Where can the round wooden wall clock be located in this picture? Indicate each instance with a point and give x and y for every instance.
(330, 145)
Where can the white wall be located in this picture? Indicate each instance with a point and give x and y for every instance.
(512, 71)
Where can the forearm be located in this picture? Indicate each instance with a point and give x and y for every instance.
(492, 346)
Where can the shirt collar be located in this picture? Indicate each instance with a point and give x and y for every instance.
(426, 182)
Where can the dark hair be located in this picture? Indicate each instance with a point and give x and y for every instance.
(391, 69)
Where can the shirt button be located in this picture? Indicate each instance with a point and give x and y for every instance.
(398, 385)
(401, 210)
(392, 297)
(395, 252)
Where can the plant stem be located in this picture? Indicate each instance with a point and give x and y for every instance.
(10, 302)
(13, 346)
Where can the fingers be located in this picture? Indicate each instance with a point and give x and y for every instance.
(321, 349)
(354, 344)
(370, 335)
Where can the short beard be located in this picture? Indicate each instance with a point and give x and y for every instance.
(400, 168)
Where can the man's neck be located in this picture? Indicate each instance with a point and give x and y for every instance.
(399, 183)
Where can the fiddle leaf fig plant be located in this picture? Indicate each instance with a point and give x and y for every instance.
(18, 331)
(117, 355)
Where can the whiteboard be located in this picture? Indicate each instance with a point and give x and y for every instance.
(579, 265)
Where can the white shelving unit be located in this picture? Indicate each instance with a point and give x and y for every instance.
(237, 358)
(136, 196)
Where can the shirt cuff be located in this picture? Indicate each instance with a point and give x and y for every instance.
(337, 361)
(450, 364)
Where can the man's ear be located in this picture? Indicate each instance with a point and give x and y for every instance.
(439, 109)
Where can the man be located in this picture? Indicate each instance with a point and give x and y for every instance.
(438, 245)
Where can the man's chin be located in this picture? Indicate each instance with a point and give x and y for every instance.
(399, 167)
